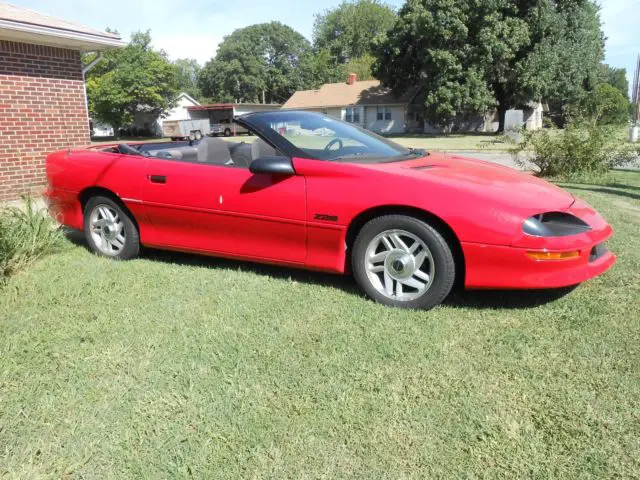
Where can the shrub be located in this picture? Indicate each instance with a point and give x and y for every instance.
(582, 150)
(605, 105)
(25, 235)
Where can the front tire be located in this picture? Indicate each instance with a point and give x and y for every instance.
(110, 230)
(401, 261)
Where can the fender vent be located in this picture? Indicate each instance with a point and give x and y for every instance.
(597, 252)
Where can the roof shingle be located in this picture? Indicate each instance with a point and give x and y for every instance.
(366, 92)
(13, 13)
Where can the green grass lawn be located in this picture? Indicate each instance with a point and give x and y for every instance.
(453, 142)
(178, 366)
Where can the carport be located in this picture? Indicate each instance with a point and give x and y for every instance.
(220, 112)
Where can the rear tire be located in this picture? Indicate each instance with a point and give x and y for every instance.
(198, 135)
(227, 132)
(110, 230)
(401, 261)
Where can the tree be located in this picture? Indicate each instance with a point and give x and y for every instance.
(188, 71)
(361, 66)
(349, 30)
(616, 77)
(132, 79)
(604, 105)
(265, 62)
(473, 55)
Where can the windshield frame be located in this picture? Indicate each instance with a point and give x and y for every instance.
(256, 123)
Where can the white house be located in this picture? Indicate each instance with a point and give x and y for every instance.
(366, 103)
(371, 105)
(153, 123)
(150, 122)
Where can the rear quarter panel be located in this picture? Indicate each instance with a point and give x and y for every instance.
(70, 173)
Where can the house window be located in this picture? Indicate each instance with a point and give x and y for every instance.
(352, 114)
(383, 113)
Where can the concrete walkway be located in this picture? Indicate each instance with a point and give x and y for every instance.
(501, 158)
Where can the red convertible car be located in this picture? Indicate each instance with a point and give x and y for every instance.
(317, 193)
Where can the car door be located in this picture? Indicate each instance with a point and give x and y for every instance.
(226, 210)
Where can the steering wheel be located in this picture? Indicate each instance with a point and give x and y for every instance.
(128, 150)
(331, 143)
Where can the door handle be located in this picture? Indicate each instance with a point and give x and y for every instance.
(157, 178)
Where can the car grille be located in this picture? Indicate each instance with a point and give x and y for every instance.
(597, 252)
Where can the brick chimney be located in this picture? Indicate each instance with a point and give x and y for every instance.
(352, 78)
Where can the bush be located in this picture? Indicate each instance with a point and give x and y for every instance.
(25, 235)
(605, 105)
(582, 150)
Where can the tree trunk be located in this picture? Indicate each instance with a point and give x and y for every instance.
(502, 115)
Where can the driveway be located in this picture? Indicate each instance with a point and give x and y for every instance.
(505, 159)
(500, 158)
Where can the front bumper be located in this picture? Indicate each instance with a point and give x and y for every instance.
(493, 266)
(511, 267)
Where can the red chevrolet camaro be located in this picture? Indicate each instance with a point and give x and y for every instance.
(317, 193)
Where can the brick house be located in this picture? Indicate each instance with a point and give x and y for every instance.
(42, 93)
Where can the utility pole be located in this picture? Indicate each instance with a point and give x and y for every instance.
(635, 98)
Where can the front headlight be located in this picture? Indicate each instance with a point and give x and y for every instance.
(554, 224)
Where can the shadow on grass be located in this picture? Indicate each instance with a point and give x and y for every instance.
(628, 170)
(607, 190)
(506, 299)
(477, 299)
(623, 186)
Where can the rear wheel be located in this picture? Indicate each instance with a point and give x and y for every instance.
(198, 135)
(401, 261)
(109, 229)
(227, 132)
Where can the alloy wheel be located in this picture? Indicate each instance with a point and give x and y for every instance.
(399, 265)
(107, 229)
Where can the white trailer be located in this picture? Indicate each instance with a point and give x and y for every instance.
(186, 129)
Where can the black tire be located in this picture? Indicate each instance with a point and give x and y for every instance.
(443, 261)
(131, 247)
(198, 135)
(227, 132)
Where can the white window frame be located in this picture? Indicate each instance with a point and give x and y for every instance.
(352, 114)
(383, 113)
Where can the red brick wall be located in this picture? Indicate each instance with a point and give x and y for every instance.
(42, 109)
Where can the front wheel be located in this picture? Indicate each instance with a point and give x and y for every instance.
(109, 229)
(227, 132)
(401, 261)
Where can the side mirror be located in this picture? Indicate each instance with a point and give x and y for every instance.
(277, 165)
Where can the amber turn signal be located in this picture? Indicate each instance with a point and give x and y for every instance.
(554, 255)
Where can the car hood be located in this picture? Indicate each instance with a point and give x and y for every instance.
(483, 179)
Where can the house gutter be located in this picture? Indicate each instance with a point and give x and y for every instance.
(86, 69)
(61, 37)
(89, 67)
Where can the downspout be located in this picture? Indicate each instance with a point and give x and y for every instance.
(86, 69)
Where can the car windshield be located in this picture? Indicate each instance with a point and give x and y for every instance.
(318, 136)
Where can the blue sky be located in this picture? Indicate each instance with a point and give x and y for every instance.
(194, 28)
